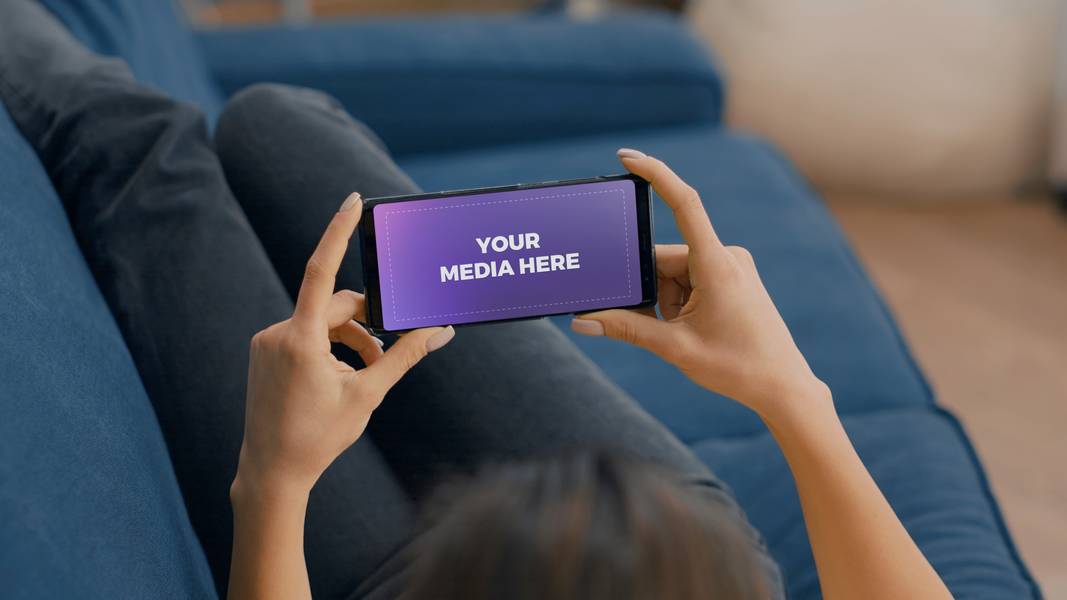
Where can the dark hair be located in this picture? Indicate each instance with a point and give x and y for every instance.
(588, 526)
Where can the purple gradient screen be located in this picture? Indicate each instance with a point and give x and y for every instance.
(506, 255)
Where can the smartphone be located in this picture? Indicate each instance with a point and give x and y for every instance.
(463, 257)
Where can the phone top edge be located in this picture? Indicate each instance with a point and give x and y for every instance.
(371, 202)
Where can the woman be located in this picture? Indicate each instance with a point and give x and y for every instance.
(163, 215)
(718, 326)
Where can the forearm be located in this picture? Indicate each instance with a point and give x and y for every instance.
(268, 542)
(861, 548)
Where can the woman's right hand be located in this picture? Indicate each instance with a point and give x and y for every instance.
(719, 325)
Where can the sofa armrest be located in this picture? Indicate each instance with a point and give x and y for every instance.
(461, 82)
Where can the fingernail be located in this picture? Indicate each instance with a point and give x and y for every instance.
(587, 327)
(378, 341)
(629, 153)
(350, 202)
(439, 339)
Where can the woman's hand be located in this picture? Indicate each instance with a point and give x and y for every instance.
(721, 328)
(304, 406)
(719, 325)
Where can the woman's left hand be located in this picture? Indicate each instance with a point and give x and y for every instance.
(304, 406)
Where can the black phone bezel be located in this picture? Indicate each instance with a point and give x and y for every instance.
(645, 233)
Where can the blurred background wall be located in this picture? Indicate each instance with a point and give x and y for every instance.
(899, 98)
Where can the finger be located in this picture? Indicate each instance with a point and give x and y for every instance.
(345, 306)
(671, 298)
(672, 261)
(317, 287)
(353, 335)
(689, 213)
(643, 331)
(672, 271)
(648, 311)
(403, 355)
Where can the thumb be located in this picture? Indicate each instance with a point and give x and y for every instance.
(628, 326)
(405, 354)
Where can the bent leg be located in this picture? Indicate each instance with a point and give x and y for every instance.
(187, 281)
(499, 392)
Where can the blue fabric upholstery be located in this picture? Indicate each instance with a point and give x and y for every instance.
(928, 472)
(917, 453)
(460, 82)
(149, 35)
(89, 507)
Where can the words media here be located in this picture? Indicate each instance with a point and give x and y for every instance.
(531, 264)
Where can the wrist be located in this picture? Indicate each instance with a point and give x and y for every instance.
(801, 404)
(810, 429)
(250, 488)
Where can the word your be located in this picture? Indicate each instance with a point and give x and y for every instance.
(502, 268)
(513, 242)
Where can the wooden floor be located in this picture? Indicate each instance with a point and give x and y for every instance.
(981, 293)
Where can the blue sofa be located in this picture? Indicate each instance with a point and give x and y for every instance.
(89, 505)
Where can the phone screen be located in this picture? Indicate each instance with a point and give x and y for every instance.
(513, 254)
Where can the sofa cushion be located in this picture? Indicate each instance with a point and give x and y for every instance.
(151, 36)
(436, 84)
(755, 199)
(89, 506)
(928, 472)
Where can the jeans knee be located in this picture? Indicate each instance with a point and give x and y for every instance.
(257, 109)
(267, 101)
(259, 97)
(247, 105)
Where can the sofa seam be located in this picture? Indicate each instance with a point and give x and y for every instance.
(994, 505)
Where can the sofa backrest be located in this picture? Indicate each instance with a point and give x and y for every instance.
(89, 505)
(152, 36)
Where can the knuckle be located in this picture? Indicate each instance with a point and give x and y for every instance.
(691, 198)
(732, 272)
(266, 337)
(292, 344)
(314, 269)
(413, 357)
(346, 294)
(259, 340)
(738, 265)
(626, 331)
(741, 253)
(349, 296)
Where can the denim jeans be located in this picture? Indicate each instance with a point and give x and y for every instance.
(197, 243)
